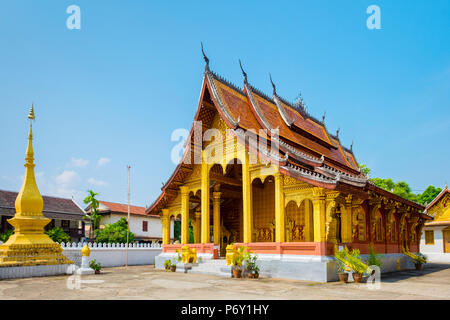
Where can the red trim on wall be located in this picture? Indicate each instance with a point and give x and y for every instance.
(200, 247)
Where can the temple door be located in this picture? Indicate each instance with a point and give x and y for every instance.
(446, 238)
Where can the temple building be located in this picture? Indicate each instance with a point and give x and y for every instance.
(435, 242)
(261, 172)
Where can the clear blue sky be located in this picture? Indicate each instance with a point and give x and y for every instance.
(116, 89)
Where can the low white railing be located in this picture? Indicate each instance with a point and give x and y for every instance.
(109, 245)
(114, 255)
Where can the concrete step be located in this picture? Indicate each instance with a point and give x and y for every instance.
(212, 267)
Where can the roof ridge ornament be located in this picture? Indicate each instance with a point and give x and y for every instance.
(351, 147)
(323, 117)
(243, 72)
(273, 85)
(337, 132)
(205, 57)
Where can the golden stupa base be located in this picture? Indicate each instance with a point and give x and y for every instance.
(29, 245)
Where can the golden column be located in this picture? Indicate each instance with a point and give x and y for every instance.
(246, 197)
(29, 245)
(197, 226)
(216, 216)
(279, 209)
(309, 228)
(184, 214)
(347, 220)
(319, 213)
(205, 202)
(165, 218)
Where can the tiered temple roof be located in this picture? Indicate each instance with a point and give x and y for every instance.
(307, 151)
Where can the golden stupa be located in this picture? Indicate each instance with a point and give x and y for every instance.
(29, 245)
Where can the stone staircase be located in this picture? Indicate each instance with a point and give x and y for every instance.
(216, 267)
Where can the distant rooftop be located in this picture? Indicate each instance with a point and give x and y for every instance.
(54, 208)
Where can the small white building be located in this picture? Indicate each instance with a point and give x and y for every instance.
(146, 228)
(435, 240)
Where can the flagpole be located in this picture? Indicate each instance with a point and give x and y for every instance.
(128, 219)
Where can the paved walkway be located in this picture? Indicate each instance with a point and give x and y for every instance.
(145, 282)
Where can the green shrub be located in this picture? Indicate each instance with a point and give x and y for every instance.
(58, 235)
(114, 233)
(96, 266)
(5, 235)
(374, 258)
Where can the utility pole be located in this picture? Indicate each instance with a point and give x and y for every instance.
(128, 219)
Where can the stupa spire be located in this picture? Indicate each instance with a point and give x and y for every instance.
(29, 201)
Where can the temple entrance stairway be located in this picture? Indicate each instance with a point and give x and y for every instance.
(216, 267)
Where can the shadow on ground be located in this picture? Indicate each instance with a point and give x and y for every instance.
(429, 268)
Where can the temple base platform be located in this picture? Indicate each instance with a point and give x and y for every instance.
(286, 266)
(36, 271)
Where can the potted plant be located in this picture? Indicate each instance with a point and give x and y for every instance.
(238, 259)
(167, 264)
(343, 276)
(173, 267)
(353, 262)
(419, 260)
(96, 266)
(252, 268)
(358, 267)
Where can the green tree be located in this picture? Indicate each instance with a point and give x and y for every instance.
(114, 233)
(428, 195)
(58, 235)
(365, 170)
(386, 184)
(5, 235)
(94, 217)
(402, 189)
(177, 231)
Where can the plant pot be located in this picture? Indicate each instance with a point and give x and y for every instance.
(97, 271)
(255, 275)
(343, 277)
(237, 273)
(173, 268)
(357, 277)
(418, 266)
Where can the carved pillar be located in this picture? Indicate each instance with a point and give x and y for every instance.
(319, 214)
(346, 220)
(246, 198)
(309, 228)
(197, 226)
(279, 209)
(374, 205)
(184, 214)
(165, 219)
(205, 238)
(390, 209)
(216, 216)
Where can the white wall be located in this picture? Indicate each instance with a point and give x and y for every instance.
(154, 226)
(434, 252)
(112, 255)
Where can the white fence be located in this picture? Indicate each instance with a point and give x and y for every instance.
(114, 255)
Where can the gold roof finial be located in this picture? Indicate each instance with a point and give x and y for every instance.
(31, 115)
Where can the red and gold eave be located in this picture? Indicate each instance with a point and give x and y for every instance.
(308, 152)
